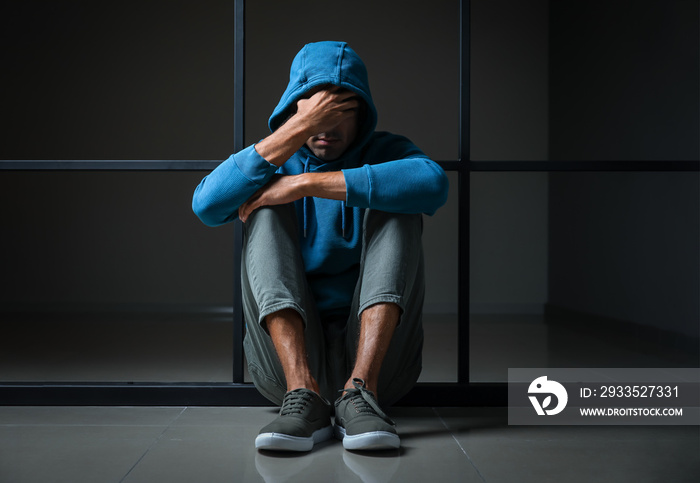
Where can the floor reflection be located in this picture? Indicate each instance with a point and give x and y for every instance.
(197, 347)
(498, 342)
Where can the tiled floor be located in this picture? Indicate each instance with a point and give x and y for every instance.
(176, 444)
(194, 444)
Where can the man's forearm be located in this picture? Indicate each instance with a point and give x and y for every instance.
(286, 189)
(279, 146)
(329, 185)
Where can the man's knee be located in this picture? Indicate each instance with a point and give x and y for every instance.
(399, 223)
(272, 214)
(393, 236)
(269, 223)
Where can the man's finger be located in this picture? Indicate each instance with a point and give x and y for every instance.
(244, 211)
(348, 97)
(352, 103)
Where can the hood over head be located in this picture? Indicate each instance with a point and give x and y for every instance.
(323, 63)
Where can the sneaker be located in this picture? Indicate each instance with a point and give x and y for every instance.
(360, 423)
(304, 420)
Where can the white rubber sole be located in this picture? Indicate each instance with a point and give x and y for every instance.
(285, 442)
(375, 440)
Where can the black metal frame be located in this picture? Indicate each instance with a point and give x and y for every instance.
(460, 393)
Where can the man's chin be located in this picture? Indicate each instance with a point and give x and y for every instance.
(326, 154)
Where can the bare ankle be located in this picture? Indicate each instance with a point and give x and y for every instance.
(370, 384)
(303, 382)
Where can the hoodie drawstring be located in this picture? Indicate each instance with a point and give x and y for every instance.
(306, 170)
(342, 216)
(343, 207)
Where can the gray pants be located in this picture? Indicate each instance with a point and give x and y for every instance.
(273, 278)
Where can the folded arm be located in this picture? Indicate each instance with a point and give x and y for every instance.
(398, 178)
(286, 189)
(245, 175)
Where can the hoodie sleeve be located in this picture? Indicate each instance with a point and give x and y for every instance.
(397, 178)
(217, 198)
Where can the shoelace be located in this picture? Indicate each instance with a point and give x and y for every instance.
(295, 402)
(364, 401)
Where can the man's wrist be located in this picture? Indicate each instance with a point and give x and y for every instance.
(303, 185)
(300, 126)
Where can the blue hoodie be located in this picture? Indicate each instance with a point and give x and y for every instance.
(382, 171)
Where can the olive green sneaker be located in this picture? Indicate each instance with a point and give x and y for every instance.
(360, 423)
(304, 420)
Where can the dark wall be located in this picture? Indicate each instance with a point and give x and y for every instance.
(116, 80)
(509, 58)
(154, 80)
(624, 79)
(625, 246)
(624, 85)
(113, 80)
(104, 239)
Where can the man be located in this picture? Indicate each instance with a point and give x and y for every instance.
(332, 263)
